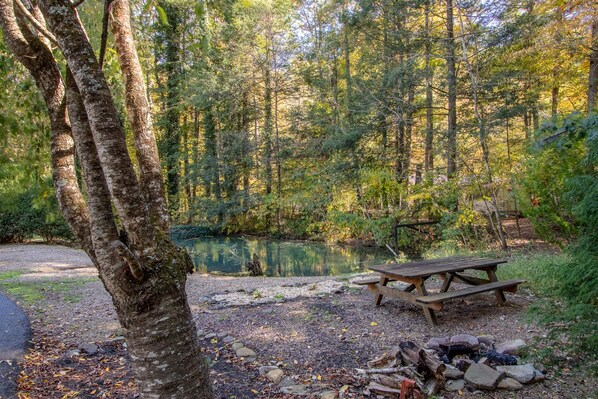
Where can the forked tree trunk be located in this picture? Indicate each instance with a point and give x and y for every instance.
(144, 272)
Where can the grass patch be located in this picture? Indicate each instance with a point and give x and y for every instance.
(33, 292)
(9, 275)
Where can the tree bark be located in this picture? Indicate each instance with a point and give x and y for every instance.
(429, 146)
(593, 75)
(139, 112)
(451, 153)
(143, 271)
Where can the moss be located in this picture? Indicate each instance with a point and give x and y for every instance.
(10, 274)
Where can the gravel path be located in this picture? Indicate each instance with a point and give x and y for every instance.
(313, 324)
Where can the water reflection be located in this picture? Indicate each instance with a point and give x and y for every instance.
(279, 257)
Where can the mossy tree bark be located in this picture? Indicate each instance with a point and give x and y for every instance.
(142, 270)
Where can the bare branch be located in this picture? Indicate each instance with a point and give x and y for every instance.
(41, 29)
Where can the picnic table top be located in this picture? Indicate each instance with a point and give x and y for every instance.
(426, 268)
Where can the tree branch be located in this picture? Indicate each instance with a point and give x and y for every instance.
(23, 10)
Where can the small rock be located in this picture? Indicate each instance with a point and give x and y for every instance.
(238, 345)
(228, 339)
(538, 376)
(509, 384)
(246, 353)
(511, 347)
(523, 374)
(454, 385)
(328, 395)
(485, 361)
(287, 382)
(275, 375)
(540, 367)
(453, 373)
(119, 338)
(265, 369)
(201, 333)
(487, 340)
(89, 348)
(482, 377)
(298, 389)
(210, 336)
(467, 339)
(72, 353)
(434, 343)
(265, 301)
(221, 335)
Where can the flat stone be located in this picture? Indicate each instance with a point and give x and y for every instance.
(228, 339)
(467, 339)
(89, 348)
(265, 369)
(523, 374)
(72, 353)
(238, 345)
(509, 384)
(453, 373)
(454, 385)
(201, 333)
(513, 347)
(250, 359)
(275, 375)
(434, 343)
(245, 352)
(210, 336)
(298, 389)
(287, 382)
(482, 377)
(221, 335)
(328, 395)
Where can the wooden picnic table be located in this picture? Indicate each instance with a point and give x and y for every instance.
(449, 269)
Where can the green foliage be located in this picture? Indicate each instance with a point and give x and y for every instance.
(24, 215)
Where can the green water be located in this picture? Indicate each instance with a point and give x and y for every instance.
(280, 257)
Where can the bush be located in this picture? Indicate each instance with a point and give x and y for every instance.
(31, 213)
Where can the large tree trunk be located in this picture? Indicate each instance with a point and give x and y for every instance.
(144, 273)
(593, 75)
(451, 150)
(429, 146)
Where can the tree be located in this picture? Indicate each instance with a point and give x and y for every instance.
(143, 271)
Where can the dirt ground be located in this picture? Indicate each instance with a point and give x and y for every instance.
(317, 329)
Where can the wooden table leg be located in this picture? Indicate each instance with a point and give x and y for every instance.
(500, 296)
(429, 313)
(378, 296)
(447, 283)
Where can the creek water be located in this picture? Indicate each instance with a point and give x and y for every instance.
(280, 258)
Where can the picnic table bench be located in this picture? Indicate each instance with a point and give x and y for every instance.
(449, 270)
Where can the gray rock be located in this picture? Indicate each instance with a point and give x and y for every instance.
(453, 373)
(210, 336)
(265, 369)
(454, 385)
(482, 377)
(540, 367)
(509, 384)
(228, 339)
(275, 375)
(72, 353)
(89, 348)
(523, 374)
(221, 335)
(467, 339)
(298, 389)
(328, 395)
(434, 343)
(265, 301)
(538, 376)
(201, 333)
(238, 345)
(119, 338)
(487, 340)
(246, 353)
(286, 382)
(514, 347)
(250, 359)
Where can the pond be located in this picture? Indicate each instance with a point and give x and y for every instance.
(280, 258)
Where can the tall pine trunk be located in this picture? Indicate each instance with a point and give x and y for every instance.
(451, 148)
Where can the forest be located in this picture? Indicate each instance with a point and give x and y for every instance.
(324, 120)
